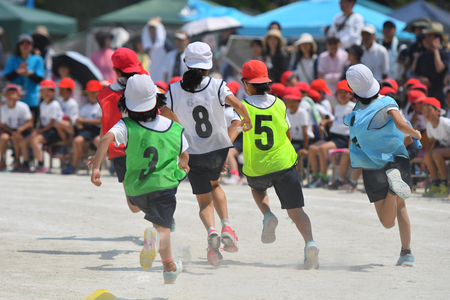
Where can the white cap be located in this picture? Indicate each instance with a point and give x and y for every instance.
(360, 80)
(369, 28)
(140, 93)
(198, 55)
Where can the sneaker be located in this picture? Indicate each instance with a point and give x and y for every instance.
(2, 166)
(433, 190)
(310, 184)
(443, 191)
(229, 239)
(232, 180)
(150, 249)
(213, 255)
(69, 170)
(270, 222)
(24, 169)
(42, 169)
(336, 185)
(311, 260)
(171, 277)
(397, 184)
(320, 183)
(406, 260)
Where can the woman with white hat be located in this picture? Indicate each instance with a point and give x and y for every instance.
(306, 56)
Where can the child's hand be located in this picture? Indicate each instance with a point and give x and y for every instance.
(246, 125)
(95, 177)
(417, 135)
(303, 152)
(184, 167)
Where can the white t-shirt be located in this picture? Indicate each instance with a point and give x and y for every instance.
(231, 115)
(70, 109)
(299, 119)
(350, 34)
(441, 133)
(49, 111)
(376, 58)
(91, 111)
(160, 123)
(169, 63)
(15, 117)
(381, 117)
(340, 112)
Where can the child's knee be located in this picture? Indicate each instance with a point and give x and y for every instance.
(4, 137)
(387, 223)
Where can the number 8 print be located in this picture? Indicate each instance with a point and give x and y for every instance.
(201, 117)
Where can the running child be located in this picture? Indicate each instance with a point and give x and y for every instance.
(270, 159)
(152, 145)
(377, 146)
(70, 109)
(16, 121)
(198, 103)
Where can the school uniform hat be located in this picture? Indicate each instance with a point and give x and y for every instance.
(140, 93)
(411, 81)
(303, 87)
(175, 79)
(198, 55)
(162, 84)
(12, 86)
(369, 28)
(392, 83)
(234, 86)
(94, 86)
(47, 84)
(292, 92)
(360, 79)
(255, 71)
(386, 89)
(276, 33)
(320, 85)
(313, 94)
(126, 60)
(343, 85)
(277, 89)
(24, 37)
(416, 96)
(432, 101)
(421, 87)
(285, 76)
(436, 28)
(67, 83)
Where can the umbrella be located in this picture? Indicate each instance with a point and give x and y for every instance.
(239, 50)
(81, 67)
(210, 24)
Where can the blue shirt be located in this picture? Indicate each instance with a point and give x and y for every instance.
(30, 88)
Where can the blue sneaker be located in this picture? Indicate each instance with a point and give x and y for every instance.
(171, 277)
(69, 170)
(311, 256)
(397, 184)
(406, 260)
(269, 224)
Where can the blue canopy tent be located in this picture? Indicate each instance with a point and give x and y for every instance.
(313, 17)
(197, 10)
(420, 9)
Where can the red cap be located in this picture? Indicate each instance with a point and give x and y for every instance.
(386, 90)
(277, 89)
(420, 87)
(234, 86)
(303, 86)
(175, 79)
(313, 94)
(412, 81)
(162, 84)
(126, 60)
(343, 85)
(320, 85)
(67, 83)
(47, 84)
(94, 86)
(392, 83)
(13, 87)
(255, 71)
(285, 77)
(416, 96)
(432, 101)
(292, 92)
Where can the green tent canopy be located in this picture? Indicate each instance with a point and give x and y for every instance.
(17, 19)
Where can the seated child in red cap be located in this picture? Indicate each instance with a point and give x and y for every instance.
(70, 109)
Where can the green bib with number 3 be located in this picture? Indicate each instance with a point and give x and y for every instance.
(267, 148)
(152, 159)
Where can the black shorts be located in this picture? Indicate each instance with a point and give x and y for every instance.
(413, 150)
(88, 133)
(287, 186)
(238, 143)
(25, 133)
(158, 207)
(120, 164)
(376, 183)
(298, 144)
(205, 168)
(341, 141)
(51, 136)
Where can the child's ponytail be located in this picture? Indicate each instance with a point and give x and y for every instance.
(191, 79)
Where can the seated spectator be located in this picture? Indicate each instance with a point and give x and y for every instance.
(277, 89)
(69, 107)
(304, 65)
(320, 85)
(276, 59)
(344, 165)
(87, 125)
(416, 98)
(375, 56)
(288, 78)
(45, 133)
(16, 121)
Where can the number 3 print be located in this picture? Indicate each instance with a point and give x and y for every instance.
(152, 164)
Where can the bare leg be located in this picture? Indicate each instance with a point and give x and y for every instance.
(262, 200)
(219, 200)
(4, 138)
(431, 166)
(323, 155)
(344, 164)
(387, 210)
(313, 151)
(165, 249)
(64, 127)
(232, 162)
(404, 225)
(96, 141)
(301, 220)
(205, 203)
(77, 145)
(25, 147)
(17, 141)
(132, 207)
(439, 156)
(35, 141)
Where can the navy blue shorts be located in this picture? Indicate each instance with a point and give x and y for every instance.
(120, 164)
(341, 141)
(51, 136)
(205, 168)
(88, 133)
(298, 144)
(158, 207)
(287, 186)
(238, 143)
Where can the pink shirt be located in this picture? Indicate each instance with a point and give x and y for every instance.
(102, 59)
(331, 67)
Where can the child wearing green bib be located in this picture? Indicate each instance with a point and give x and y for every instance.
(152, 144)
(270, 158)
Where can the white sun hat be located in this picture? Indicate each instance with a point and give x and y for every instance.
(198, 55)
(360, 79)
(140, 93)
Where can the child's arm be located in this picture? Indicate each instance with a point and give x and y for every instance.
(94, 122)
(304, 150)
(233, 131)
(402, 125)
(240, 108)
(48, 127)
(99, 157)
(184, 159)
(28, 124)
(169, 114)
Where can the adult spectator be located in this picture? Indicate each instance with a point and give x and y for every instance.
(26, 70)
(390, 42)
(174, 62)
(347, 25)
(276, 60)
(102, 57)
(41, 42)
(433, 63)
(274, 25)
(330, 64)
(417, 27)
(355, 53)
(306, 56)
(375, 56)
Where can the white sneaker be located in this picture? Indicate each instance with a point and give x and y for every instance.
(397, 184)
(232, 180)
